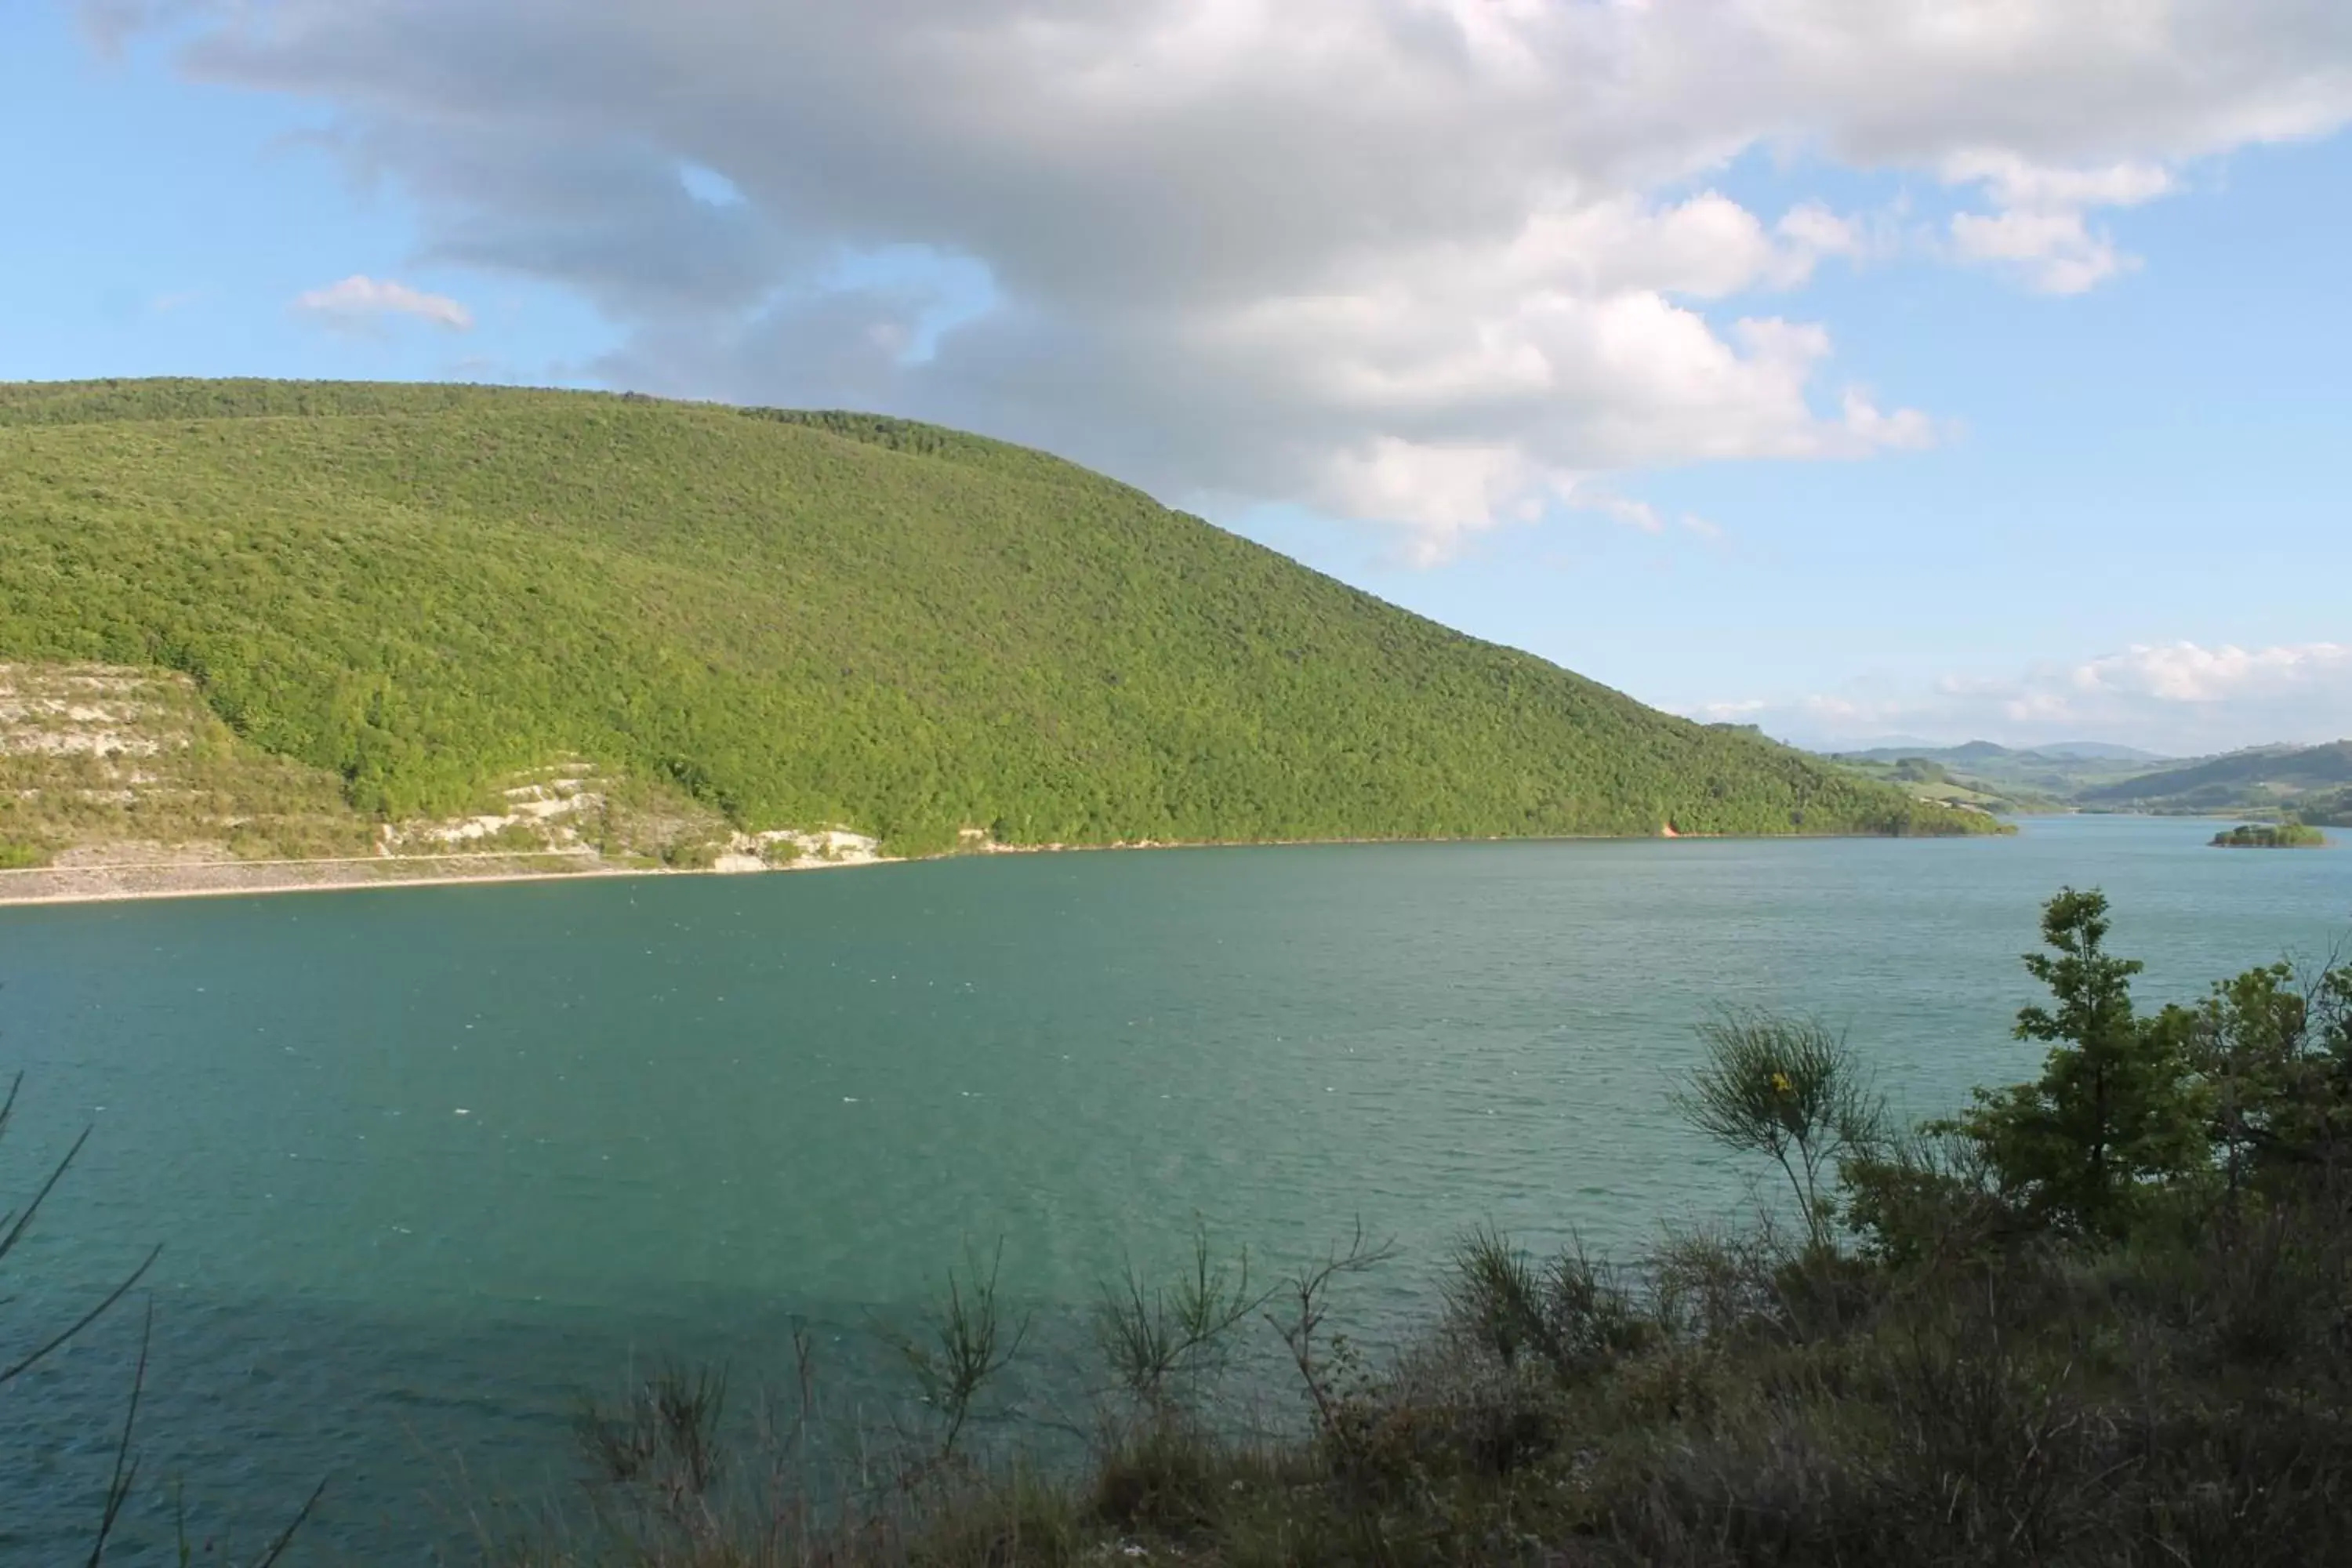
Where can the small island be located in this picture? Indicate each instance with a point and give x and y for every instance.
(2270, 835)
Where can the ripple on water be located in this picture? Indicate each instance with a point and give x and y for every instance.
(429, 1164)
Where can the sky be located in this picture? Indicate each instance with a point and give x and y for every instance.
(1861, 369)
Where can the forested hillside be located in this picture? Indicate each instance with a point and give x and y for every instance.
(801, 619)
(2266, 777)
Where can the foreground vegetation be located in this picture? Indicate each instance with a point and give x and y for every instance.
(2097, 1318)
(418, 594)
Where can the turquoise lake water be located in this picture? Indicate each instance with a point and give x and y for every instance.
(427, 1165)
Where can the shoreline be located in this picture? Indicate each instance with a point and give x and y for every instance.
(44, 885)
(40, 886)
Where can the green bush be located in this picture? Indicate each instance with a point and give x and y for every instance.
(17, 855)
(2117, 1113)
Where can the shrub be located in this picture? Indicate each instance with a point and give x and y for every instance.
(1788, 1088)
(2115, 1114)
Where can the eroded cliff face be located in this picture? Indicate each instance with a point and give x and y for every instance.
(118, 781)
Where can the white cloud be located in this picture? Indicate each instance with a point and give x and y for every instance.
(2180, 696)
(2041, 230)
(2184, 672)
(1812, 232)
(2056, 251)
(2013, 181)
(1439, 493)
(358, 300)
(1635, 514)
(1426, 261)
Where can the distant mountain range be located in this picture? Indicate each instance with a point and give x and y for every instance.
(2311, 783)
(2097, 750)
(2267, 777)
(1981, 751)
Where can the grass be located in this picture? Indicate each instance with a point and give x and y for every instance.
(1722, 1401)
(408, 596)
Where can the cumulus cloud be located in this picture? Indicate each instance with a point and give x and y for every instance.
(2040, 229)
(359, 300)
(1427, 262)
(2185, 673)
(2180, 696)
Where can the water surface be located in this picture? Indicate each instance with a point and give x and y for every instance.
(427, 1162)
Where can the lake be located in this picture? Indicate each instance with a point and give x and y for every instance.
(427, 1165)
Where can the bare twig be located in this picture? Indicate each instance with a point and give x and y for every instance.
(1153, 1336)
(126, 1463)
(19, 1222)
(1302, 1328)
(968, 1344)
(285, 1537)
(85, 1321)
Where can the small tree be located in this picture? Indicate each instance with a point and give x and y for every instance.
(966, 1342)
(1573, 1313)
(2274, 1057)
(2114, 1110)
(1158, 1339)
(1788, 1088)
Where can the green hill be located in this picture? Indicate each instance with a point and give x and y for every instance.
(2330, 809)
(1929, 779)
(2267, 777)
(2039, 780)
(423, 592)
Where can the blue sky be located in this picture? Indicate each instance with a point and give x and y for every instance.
(2117, 511)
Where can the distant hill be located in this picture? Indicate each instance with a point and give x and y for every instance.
(2001, 778)
(1931, 780)
(2094, 776)
(2331, 808)
(419, 594)
(1987, 752)
(2098, 751)
(2261, 777)
(1969, 753)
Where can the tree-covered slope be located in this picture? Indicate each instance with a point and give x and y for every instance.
(2265, 776)
(803, 618)
(2331, 809)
